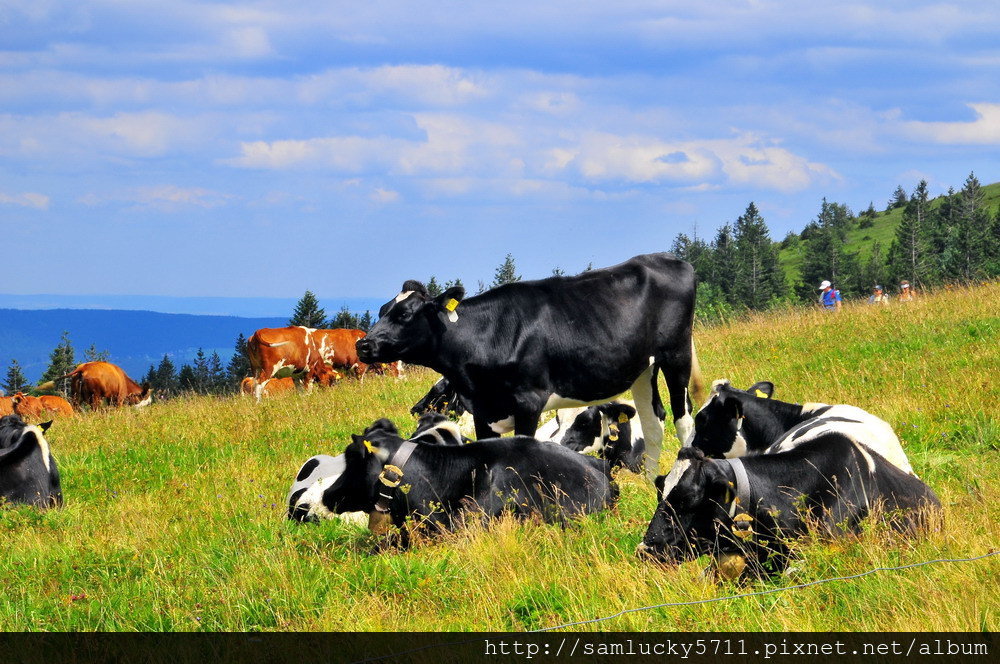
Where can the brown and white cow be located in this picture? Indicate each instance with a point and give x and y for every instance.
(6, 406)
(97, 383)
(38, 408)
(337, 346)
(279, 352)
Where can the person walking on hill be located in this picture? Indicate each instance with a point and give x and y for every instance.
(905, 292)
(830, 297)
(878, 296)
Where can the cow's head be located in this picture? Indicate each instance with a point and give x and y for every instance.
(605, 429)
(143, 397)
(409, 324)
(693, 501)
(717, 426)
(355, 489)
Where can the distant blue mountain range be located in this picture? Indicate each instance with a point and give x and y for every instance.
(134, 339)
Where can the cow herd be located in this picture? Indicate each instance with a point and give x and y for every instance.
(752, 472)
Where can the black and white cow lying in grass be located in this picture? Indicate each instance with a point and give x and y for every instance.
(607, 430)
(736, 423)
(437, 486)
(305, 498)
(28, 473)
(748, 509)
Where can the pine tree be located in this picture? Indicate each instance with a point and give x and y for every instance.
(875, 272)
(433, 287)
(898, 199)
(216, 374)
(186, 379)
(908, 254)
(365, 323)
(825, 256)
(759, 278)
(61, 362)
(722, 268)
(344, 319)
(239, 364)
(506, 273)
(94, 355)
(202, 376)
(308, 312)
(165, 382)
(558, 272)
(965, 252)
(15, 380)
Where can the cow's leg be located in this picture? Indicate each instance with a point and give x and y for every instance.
(652, 425)
(677, 374)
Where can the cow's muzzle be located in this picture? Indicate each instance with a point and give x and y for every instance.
(366, 350)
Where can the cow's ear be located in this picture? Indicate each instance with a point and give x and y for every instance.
(659, 483)
(448, 301)
(359, 447)
(764, 389)
(44, 426)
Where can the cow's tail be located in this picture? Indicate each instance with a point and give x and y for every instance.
(697, 386)
(50, 385)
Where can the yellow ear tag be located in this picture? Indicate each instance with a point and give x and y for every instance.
(451, 304)
(368, 446)
(762, 395)
(622, 418)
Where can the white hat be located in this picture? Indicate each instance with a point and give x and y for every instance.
(825, 284)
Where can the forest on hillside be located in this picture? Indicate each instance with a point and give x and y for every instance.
(954, 238)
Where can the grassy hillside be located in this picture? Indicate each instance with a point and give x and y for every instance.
(882, 230)
(174, 516)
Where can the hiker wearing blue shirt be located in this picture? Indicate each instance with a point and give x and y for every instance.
(830, 297)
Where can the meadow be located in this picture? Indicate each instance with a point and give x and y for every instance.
(175, 518)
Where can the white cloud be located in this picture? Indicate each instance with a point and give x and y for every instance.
(164, 198)
(984, 130)
(27, 199)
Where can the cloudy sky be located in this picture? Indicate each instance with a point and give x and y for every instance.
(178, 148)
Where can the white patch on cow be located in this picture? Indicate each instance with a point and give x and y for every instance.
(43, 444)
(558, 402)
(652, 426)
(502, 426)
(145, 402)
(739, 448)
(313, 497)
(467, 424)
(870, 433)
(402, 296)
(445, 433)
(673, 478)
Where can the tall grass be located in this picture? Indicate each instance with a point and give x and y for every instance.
(174, 515)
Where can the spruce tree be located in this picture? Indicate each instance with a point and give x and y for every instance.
(15, 380)
(965, 251)
(186, 379)
(433, 287)
(165, 382)
(239, 364)
(722, 268)
(94, 355)
(202, 375)
(61, 362)
(506, 273)
(908, 254)
(759, 278)
(308, 312)
(344, 319)
(216, 374)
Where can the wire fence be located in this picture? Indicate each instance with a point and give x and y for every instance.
(770, 591)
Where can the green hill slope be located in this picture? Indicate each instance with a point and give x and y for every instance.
(862, 236)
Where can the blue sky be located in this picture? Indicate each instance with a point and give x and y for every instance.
(259, 149)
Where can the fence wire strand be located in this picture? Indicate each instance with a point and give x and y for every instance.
(770, 591)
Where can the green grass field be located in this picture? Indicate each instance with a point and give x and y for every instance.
(174, 515)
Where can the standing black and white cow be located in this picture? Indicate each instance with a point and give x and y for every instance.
(749, 508)
(520, 349)
(735, 423)
(606, 429)
(438, 486)
(28, 472)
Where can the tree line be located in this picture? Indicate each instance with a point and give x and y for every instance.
(953, 240)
